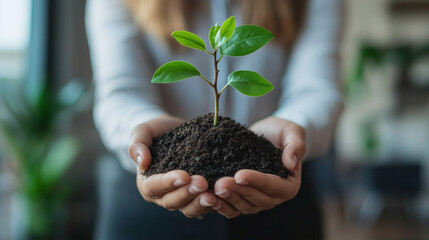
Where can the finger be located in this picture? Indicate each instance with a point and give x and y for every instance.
(138, 149)
(293, 146)
(140, 153)
(294, 151)
(200, 204)
(157, 185)
(208, 210)
(273, 185)
(225, 188)
(258, 198)
(226, 209)
(142, 135)
(178, 198)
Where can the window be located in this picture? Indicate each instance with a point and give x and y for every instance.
(15, 32)
(15, 17)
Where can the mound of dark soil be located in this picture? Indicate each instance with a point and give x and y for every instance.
(200, 148)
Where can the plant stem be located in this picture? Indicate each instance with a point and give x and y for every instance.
(223, 89)
(207, 81)
(216, 93)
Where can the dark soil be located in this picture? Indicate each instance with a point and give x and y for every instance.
(200, 148)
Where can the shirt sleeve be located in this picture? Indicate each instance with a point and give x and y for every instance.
(122, 71)
(311, 94)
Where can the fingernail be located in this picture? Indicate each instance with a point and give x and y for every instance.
(224, 193)
(242, 182)
(179, 182)
(195, 190)
(217, 206)
(204, 203)
(139, 160)
(294, 160)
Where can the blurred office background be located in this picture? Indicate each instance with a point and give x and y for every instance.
(374, 183)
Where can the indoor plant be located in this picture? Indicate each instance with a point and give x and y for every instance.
(40, 154)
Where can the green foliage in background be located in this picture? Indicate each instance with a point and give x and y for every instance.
(41, 152)
(228, 40)
(376, 56)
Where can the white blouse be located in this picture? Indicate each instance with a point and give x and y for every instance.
(306, 85)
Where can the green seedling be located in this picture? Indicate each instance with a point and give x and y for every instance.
(226, 40)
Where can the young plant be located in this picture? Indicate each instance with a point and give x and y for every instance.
(226, 40)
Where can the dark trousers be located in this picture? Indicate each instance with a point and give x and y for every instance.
(123, 214)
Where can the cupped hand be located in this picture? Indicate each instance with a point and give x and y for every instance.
(250, 191)
(174, 190)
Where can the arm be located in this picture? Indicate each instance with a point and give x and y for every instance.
(311, 90)
(126, 108)
(124, 96)
(305, 121)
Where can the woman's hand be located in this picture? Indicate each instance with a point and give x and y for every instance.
(173, 190)
(249, 191)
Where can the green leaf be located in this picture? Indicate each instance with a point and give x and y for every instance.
(174, 71)
(212, 35)
(9, 132)
(189, 39)
(58, 159)
(245, 40)
(249, 83)
(225, 32)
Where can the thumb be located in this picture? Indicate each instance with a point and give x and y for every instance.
(293, 152)
(141, 139)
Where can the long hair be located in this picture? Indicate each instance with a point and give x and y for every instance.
(161, 17)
